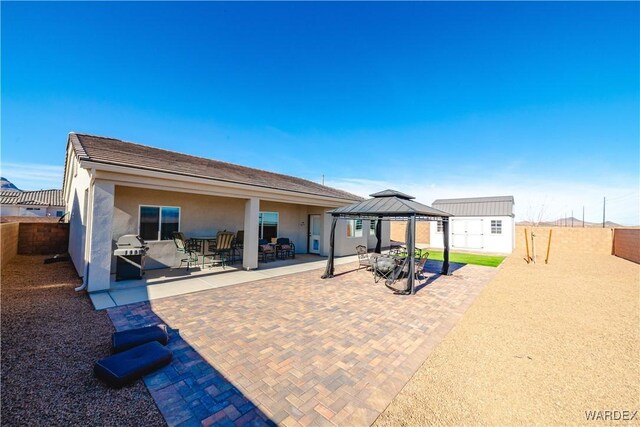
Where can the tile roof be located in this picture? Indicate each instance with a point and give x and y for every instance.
(32, 198)
(116, 152)
(477, 206)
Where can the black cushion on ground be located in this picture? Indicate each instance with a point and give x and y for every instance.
(121, 341)
(123, 368)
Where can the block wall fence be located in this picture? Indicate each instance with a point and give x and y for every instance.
(399, 229)
(43, 238)
(9, 241)
(626, 243)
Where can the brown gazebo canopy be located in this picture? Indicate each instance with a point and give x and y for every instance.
(391, 205)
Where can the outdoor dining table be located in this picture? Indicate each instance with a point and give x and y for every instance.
(201, 240)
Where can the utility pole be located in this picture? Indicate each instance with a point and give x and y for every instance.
(322, 179)
(604, 207)
(571, 218)
(582, 216)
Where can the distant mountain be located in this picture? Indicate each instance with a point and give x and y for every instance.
(570, 221)
(6, 185)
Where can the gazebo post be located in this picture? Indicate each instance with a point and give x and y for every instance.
(411, 248)
(328, 272)
(445, 237)
(379, 235)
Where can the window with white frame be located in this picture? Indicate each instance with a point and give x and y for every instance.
(496, 226)
(158, 222)
(372, 227)
(439, 226)
(354, 228)
(268, 225)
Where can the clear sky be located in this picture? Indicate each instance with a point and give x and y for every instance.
(537, 100)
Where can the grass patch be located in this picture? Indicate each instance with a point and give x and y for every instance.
(464, 258)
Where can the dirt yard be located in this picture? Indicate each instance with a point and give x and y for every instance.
(50, 338)
(542, 344)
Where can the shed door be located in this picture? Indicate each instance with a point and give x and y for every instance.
(466, 233)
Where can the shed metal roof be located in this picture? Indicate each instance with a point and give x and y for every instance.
(477, 206)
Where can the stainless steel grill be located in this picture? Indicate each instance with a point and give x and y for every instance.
(130, 255)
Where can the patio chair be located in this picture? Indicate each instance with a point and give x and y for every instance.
(188, 248)
(285, 248)
(238, 246)
(421, 261)
(222, 249)
(266, 249)
(363, 257)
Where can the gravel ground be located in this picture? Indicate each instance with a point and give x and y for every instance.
(541, 345)
(51, 336)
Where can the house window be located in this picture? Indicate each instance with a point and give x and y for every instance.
(354, 228)
(496, 226)
(372, 227)
(59, 214)
(268, 225)
(439, 226)
(159, 222)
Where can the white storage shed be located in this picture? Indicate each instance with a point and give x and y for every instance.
(478, 224)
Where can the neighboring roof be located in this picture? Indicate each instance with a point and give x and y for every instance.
(477, 206)
(389, 205)
(112, 151)
(32, 198)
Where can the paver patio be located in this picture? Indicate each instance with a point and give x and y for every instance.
(298, 350)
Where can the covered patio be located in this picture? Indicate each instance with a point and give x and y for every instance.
(391, 205)
(170, 282)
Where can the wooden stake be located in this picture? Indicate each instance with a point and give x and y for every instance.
(546, 260)
(526, 240)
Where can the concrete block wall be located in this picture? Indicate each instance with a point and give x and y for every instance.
(398, 231)
(626, 243)
(567, 241)
(9, 240)
(42, 238)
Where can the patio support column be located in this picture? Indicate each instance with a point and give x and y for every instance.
(445, 237)
(250, 249)
(328, 272)
(100, 237)
(411, 249)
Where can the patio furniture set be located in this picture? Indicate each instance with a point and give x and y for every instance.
(226, 248)
(393, 266)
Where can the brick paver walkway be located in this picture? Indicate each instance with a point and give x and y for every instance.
(298, 350)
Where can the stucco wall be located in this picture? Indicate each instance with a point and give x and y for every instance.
(9, 241)
(202, 215)
(626, 243)
(9, 210)
(77, 203)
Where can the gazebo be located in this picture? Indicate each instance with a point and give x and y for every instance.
(391, 205)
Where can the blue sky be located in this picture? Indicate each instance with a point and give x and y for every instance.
(538, 100)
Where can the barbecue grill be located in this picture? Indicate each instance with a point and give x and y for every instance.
(130, 257)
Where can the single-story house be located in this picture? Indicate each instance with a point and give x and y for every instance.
(479, 224)
(113, 188)
(41, 203)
